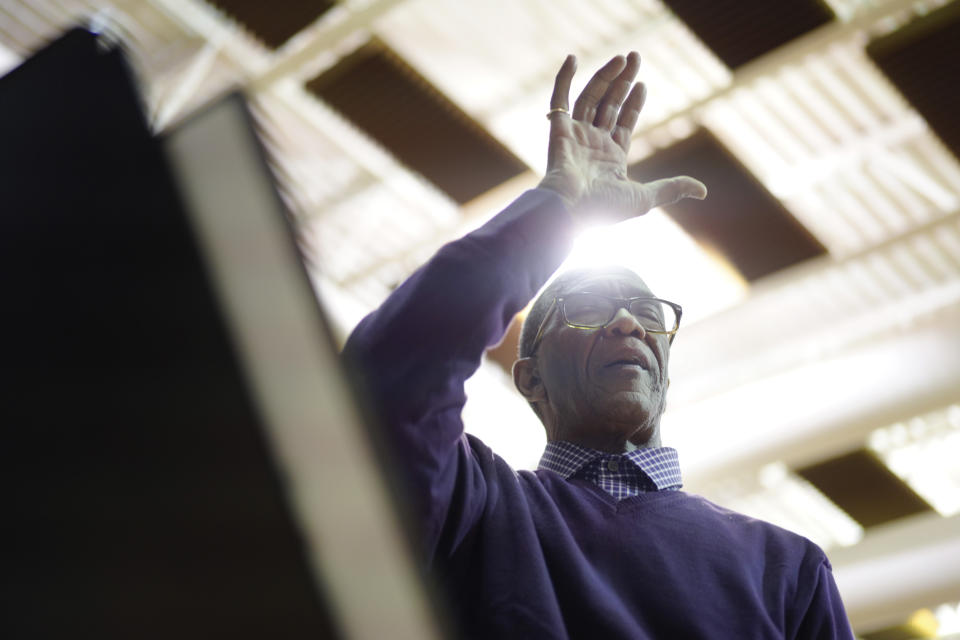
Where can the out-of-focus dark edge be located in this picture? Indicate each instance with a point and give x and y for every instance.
(369, 414)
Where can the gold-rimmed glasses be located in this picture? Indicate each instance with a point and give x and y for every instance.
(593, 310)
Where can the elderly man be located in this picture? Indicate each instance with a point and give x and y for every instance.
(599, 542)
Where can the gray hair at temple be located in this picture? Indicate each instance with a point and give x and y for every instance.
(562, 284)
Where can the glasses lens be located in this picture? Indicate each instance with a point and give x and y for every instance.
(654, 315)
(588, 310)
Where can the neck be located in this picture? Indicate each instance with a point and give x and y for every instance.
(610, 439)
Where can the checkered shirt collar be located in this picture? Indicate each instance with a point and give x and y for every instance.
(660, 464)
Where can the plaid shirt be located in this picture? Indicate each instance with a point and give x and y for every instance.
(621, 475)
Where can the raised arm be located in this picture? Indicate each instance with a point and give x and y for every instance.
(416, 351)
(421, 345)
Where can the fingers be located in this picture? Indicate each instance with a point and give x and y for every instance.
(609, 105)
(670, 190)
(561, 85)
(630, 115)
(585, 108)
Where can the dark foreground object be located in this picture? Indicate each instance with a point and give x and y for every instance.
(140, 500)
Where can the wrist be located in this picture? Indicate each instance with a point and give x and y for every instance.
(557, 186)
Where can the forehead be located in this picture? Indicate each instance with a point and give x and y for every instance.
(618, 283)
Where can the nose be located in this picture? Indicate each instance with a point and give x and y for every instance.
(625, 323)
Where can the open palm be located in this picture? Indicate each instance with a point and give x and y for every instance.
(587, 154)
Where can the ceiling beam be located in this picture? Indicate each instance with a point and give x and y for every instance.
(898, 568)
(328, 34)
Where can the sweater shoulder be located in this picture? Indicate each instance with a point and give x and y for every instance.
(774, 539)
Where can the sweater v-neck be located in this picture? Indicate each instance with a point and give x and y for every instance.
(649, 499)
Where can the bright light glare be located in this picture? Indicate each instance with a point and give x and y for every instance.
(672, 264)
(923, 452)
(948, 617)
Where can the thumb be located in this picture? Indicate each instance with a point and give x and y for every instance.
(670, 190)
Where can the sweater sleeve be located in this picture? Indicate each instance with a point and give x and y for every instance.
(825, 617)
(416, 351)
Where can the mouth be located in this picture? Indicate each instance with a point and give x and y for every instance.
(636, 361)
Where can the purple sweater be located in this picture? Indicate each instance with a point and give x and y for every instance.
(529, 554)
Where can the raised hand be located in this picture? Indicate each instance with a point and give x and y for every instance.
(587, 154)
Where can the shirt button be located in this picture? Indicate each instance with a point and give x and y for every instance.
(613, 465)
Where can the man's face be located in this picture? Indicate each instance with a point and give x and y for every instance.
(606, 384)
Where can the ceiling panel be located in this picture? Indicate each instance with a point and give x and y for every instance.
(923, 452)
(923, 60)
(860, 484)
(743, 221)
(739, 31)
(832, 139)
(387, 98)
(275, 22)
(498, 59)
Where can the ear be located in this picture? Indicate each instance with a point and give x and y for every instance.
(527, 380)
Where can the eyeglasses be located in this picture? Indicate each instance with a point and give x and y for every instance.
(593, 310)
